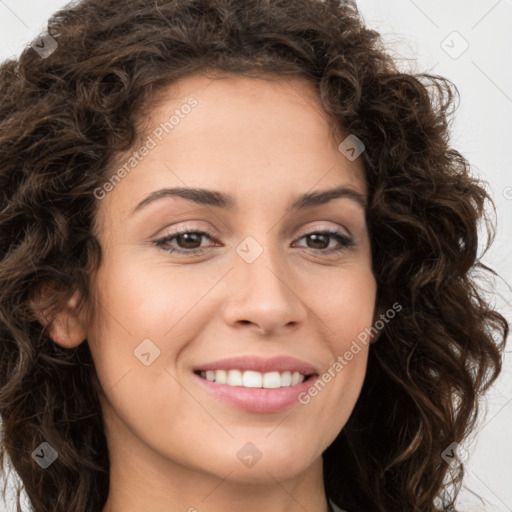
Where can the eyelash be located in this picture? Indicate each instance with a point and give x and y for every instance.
(345, 240)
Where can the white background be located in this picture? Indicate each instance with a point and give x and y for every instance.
(420, 33)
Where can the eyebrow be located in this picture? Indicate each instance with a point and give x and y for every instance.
(221, 200)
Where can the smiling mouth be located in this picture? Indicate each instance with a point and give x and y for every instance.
(254, 379)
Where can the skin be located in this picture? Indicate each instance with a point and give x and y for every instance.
(172, 445)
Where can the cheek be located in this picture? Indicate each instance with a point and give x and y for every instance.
(344, 305)
(146, 308)
(344, 301)
(141, 299)
(145, 315)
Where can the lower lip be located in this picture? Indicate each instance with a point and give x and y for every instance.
(258, 399)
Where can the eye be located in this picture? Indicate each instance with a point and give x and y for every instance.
(188, 240)
(321, 241)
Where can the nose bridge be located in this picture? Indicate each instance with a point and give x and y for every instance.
(262, 292)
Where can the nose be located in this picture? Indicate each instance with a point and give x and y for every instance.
(261, 295)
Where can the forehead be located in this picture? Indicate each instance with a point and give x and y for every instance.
(242, 134)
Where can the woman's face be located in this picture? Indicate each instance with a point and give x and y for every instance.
(263, 284)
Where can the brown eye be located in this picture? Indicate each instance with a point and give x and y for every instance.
(189, 240)
(185, 241)
(320, 240)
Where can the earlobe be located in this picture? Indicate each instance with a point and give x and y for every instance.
(65, 328)
(375, 338)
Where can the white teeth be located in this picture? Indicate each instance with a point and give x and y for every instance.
(272, 380)
(252, 379)
(234, 378)
(297, 378)
(221, 376)
(286, 378)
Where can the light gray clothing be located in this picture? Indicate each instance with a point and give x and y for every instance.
(335, 507)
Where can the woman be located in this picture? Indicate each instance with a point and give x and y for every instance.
(237, 260)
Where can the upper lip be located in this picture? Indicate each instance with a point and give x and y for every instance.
(260, 364)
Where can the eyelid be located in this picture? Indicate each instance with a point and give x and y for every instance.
(319, 227)
(345, 240)
(315, 228)
(187, 228)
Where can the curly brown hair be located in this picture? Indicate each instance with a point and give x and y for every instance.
(62, 118)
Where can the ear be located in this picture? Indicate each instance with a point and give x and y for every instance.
(66, 327)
